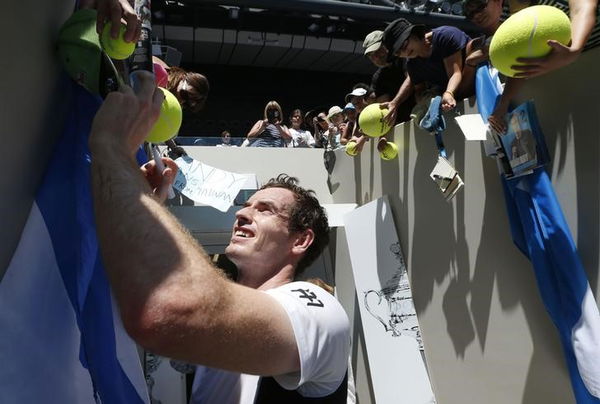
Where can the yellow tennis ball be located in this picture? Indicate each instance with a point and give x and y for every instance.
(116, 48)
(389, 152)
(169, 121)
(371, 120)
(525, 34)
(351, 149)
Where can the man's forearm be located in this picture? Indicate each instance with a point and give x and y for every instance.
(146, 253)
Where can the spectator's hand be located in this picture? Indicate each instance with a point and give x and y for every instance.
(125, 118)
(360, 142)
(160, 182)
(448, 101)
(381, 143)
(114, 11)
(390, 118)
(496, 120)
(559, 56)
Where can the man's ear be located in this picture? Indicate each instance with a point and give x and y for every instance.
(303, 241)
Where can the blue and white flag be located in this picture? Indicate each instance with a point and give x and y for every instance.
(541, 232)
(62, 340)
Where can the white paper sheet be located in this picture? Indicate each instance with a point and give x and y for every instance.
(208, 185)
(472, 126)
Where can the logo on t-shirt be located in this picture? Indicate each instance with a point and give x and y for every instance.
(312, 298)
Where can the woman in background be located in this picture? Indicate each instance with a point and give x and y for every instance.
(269, 132)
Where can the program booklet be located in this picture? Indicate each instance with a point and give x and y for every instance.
(521, 148)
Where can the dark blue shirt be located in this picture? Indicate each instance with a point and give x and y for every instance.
(445, 41)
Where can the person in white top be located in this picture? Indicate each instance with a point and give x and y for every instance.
(174, 302)
(300, 136)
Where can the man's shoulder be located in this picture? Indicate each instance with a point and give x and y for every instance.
(309, 299)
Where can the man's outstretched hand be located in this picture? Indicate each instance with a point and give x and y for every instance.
(126, 117)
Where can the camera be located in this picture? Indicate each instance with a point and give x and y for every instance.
(273, 115)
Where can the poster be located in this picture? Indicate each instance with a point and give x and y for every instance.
(391, 329)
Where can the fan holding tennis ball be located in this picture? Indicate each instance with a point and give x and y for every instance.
(389, 151)
(525, 35)
(351, 148)
(169, 120)
(116, 48)
(371, 120)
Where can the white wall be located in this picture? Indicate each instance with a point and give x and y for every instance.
(487, 336)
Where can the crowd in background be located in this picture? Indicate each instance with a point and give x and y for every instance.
(416, 64)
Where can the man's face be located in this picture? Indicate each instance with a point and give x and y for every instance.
(261, 238)
(379, 57)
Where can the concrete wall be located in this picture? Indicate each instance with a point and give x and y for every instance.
(28, 109)
(487, 336)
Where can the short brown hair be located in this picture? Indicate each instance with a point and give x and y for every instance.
(307, 213)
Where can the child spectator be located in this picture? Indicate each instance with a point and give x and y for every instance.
(300, 136)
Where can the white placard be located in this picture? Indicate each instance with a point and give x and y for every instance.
(208, 185)
(472, 126)
(391, 330)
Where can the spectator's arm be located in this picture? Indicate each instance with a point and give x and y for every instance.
(453, 65)
(405, 91)
(114, 11)
(258, 128)
(511, 89)
(583, 18)
(284, 131)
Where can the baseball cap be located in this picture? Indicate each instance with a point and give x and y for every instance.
(397, 32)
(334, 111)
(349, 106)
(357, 92)
(372, 41)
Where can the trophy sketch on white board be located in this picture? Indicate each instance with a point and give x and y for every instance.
(393, 306)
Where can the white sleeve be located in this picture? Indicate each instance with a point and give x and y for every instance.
(322, 333)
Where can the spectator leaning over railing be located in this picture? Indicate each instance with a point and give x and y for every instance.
(489, 14)
(435, 62)
(388, 78)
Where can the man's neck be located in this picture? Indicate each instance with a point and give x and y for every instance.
(280, 278)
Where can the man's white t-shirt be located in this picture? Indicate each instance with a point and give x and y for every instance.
(322, 333)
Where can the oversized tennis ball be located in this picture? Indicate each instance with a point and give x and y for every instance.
(371, 120)
(116, 48)
(168, 122)
(389, 152)
(525, 34)
(351, 149)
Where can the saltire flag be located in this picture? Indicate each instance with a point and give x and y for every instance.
(61, 338)
(541, 232)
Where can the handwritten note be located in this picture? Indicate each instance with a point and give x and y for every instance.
(208, 185)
